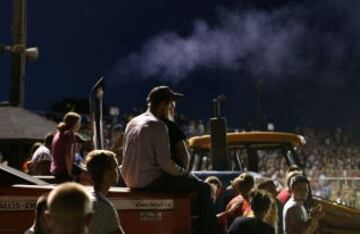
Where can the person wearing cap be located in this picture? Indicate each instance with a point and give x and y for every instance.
(296, 220)
(285, 193)
(147, 163)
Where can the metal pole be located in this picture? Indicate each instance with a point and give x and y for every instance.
(96, 112)
(18, 56)
(258, 123)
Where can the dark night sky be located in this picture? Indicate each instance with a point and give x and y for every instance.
(307, 54)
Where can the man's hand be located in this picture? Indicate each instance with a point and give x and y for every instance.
(317, 212)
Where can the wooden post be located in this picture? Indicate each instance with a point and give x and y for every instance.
(18, 48)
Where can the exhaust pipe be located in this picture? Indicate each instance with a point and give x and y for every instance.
(220, 160)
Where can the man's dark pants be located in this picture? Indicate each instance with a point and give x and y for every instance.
(190, 184)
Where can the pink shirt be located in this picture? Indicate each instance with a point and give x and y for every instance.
(284, 196)
(60, 142)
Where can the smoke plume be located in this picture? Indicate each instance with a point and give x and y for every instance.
(319, 39)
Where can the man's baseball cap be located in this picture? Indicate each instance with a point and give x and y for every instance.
(297, 179)
(162, 93)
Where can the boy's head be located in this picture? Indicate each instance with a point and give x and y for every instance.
(69, 208)
(48, 140)
(41, 206)
(268, 185)
(102, 167)
(290, 175)
(260, 202)
(300, 187)
(243, 183)
(215, 181)
(216, 186)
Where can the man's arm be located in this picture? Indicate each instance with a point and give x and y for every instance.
(182, 154)
(69, 158)
(162, 152)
